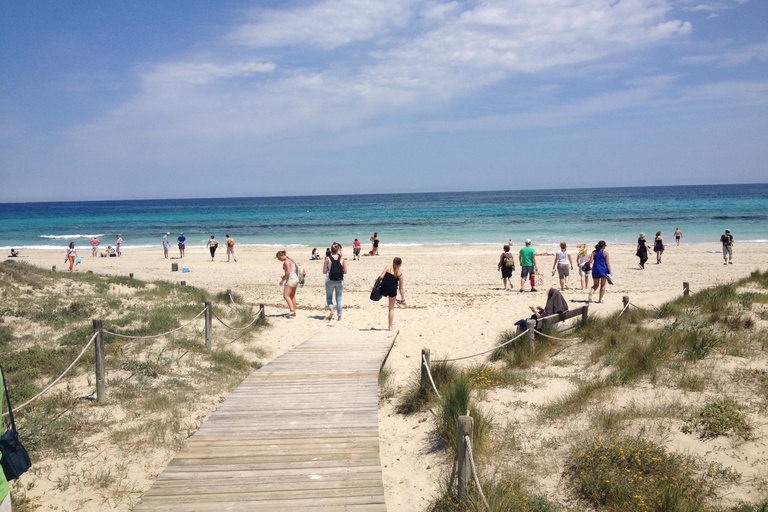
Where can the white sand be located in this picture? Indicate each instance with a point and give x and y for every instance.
(455, 306)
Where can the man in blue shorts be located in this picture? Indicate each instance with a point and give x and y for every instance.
(528, 265)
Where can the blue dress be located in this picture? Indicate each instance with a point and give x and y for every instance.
(600, 268)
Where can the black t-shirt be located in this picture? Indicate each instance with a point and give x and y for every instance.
(726, 239)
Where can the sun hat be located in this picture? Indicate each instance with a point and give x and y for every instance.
(642, 235)
(167, 232)
(727, 230)
(528, 242)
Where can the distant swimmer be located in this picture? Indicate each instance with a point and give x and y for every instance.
(678, 235)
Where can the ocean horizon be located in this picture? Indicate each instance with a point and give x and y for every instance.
(616, 215)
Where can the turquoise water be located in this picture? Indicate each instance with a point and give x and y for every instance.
(616, 215)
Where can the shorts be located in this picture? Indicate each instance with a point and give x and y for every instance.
(293, 281)
(166, 247)
(94, 249)
(181, 246)
(230, 249)
(728, 251)
(583, 272)
(356, 251)
(119, 249)
(677, 238)
(563, 271)
(507, 271)
(526, 271)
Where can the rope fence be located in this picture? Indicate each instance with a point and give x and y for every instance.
(429, 373)
(480, 353)
(49, 386)
(255, 318)
(156, 335)
(471, 457)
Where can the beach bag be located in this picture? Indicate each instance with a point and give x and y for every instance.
(376, 292)
(15, 461)
(336, 272)
(301, 274)
(538, 279)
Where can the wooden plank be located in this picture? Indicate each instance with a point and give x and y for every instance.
(299, 434)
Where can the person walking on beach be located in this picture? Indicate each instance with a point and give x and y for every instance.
(356, 249)
(375, 244)
(392, 279)
(230, 248)
(212, 245)
(678, 235)
(5, 491)
(71, 256)
(182, 244)
(166, 245)
(727, 241)
(528, 266)
(658, 246)
(290, 280)
(334, 268)
(601, 270)
(642, 250)
(119, 244)
(95, 247)
(583, 263)
(564, 265)
(506, 266)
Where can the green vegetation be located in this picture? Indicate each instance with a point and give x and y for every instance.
(504, 494)
(719, 418)
(456, 401)
(633, 473)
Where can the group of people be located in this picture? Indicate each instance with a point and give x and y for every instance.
(658, 246)
(597, 264)
(335, 269)
(109, 251)
(212, 245)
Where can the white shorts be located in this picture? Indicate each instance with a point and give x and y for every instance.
(293, 281)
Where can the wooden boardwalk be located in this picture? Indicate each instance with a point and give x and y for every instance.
(299, 434)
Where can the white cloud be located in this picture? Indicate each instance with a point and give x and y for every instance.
(740, 56)
(327, 25)
(193, 73)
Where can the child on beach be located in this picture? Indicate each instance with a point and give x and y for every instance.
(582, 262)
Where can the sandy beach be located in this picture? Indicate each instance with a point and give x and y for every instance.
(456, 306)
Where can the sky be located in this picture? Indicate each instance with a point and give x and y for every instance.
(170, 99)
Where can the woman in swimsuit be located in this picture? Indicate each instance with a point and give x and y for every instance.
(291, 281)
(658, 246)
(601, 269)
(392, 279)
(212, 245)
(375, 244)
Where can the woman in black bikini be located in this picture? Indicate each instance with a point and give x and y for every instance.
(658, 246)
(391, 280)
(375, 244)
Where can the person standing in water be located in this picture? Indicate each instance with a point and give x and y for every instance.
(392, 279)
(678, 235)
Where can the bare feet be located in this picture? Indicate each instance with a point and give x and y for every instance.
(330, 316)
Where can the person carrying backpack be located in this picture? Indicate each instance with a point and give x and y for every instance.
(727, 241)
(334, 268)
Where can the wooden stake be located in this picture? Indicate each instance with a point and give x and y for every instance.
(625, 300)
(101, 392)
(208, 325)
(263, 313)
(531, 323)
(686, 289)
(466, 424)
(585, 314)
(425, 384)
(130, 275)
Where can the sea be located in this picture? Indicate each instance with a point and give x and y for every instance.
(616, 215)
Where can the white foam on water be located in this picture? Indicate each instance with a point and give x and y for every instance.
(66, 237)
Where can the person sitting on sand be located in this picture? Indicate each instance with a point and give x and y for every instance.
(14, 253)
(556, 305)
(314, 255)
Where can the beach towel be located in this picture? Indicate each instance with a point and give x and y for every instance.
(556, 303)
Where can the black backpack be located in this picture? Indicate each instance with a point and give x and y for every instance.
(336, 272)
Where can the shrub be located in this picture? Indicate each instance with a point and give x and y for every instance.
(483, 377)
(636, 474)
(719, 418)
(505, 494)
(456, 401)
(417, 395)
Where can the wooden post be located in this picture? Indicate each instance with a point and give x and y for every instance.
(263, 314)
(585, 314)
(183, 283)
(208, 325)
(531, 324)
(425, 384)
(53, 268)
(101, 381)
(625, 300)
(229, 294)
(686, 289)
(466, 424)
(174, 267)
(130, 275)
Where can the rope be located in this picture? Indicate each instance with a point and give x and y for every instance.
(429, 374)
(474, 471)
(57, 378)
(625, 308)
(155, 335)
(229, 292)
(556, 338)
(638, 307)
(237, 328)
(480, 353)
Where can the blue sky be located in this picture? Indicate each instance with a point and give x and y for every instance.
(152, 99)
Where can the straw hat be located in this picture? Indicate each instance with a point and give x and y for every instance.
(642, 235)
